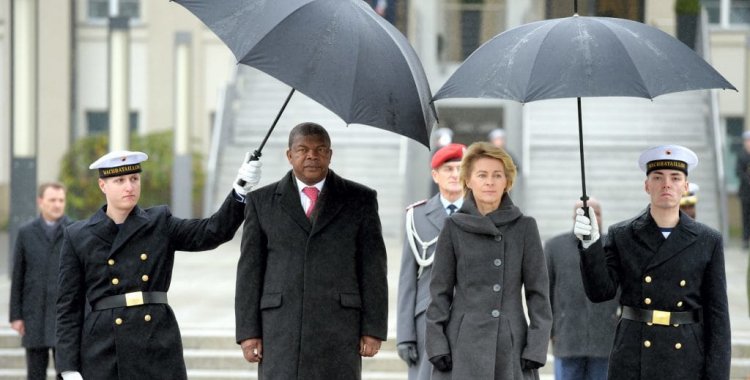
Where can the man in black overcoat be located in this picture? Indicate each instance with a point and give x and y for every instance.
(312, 293)
(670, 269)
(33, 290)
(742, 169)
(119, 262)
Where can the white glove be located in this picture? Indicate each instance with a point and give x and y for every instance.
(586, 227)
(71, 375)
(249, 173)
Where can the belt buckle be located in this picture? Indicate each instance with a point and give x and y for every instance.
(659, 317)
(133, 299)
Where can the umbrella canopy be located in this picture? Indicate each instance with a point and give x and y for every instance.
(339, 53)
(580, 57)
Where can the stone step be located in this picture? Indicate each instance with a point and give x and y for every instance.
(213, 354)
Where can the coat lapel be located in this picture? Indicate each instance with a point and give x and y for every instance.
(334, 190)
(435, 212)
(682, 236)
(289, 201)
(39, 229)
(647, 233)
(102, 226)
(135, 221)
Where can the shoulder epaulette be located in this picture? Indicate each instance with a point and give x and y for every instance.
(415, 204)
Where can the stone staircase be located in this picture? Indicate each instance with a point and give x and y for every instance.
(616, 131)
(209, 354)
(212, 354)
(371, 156)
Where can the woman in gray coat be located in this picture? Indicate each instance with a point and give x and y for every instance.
(486, 253)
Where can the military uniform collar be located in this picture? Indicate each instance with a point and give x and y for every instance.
(683, 235)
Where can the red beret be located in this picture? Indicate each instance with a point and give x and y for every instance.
(450, 152)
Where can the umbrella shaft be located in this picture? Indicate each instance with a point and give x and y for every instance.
(257, 153)
(584, 197)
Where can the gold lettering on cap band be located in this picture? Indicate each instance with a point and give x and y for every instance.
(666, 164)
(120, 170)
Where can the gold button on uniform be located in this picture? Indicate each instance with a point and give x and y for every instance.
(144, 277)
(115, 281)
(147, 318)
(677, 346)
(679, 304)
(647, 279)
(144, 256)
(111, 262)
(647, 344)
(118, 321)
(647, 301)
(683, 283)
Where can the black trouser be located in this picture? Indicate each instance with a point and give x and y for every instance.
(745, 218)
(37, 360)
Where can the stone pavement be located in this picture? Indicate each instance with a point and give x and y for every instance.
(202, 293)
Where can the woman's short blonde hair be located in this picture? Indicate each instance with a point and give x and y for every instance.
(482, 149)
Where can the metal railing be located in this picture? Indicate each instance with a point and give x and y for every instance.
(219, 135)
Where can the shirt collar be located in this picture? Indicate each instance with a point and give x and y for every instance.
(301, 185)
(458, 203)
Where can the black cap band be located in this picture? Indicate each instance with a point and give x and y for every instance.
(120, 170)
(666, 165)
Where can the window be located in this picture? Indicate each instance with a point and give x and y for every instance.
(628, 9)
(467, 24)
(98, 122)
(99, 9)
(738, 12)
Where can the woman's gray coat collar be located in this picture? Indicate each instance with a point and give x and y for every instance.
(469, 219)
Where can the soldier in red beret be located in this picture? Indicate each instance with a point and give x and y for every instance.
(424, 220)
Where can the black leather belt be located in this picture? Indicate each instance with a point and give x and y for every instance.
(130, 299)
(659, 317)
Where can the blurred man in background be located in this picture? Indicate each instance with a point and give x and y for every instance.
(33, 291)
(582, 331)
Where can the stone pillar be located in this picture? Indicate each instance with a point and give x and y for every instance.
(182, 179)
(119, 83)
(24, 117)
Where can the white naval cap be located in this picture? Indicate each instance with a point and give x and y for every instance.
(671, 157)
(119, 162)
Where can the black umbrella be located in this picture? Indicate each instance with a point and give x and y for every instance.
(578, 57)
(339, 53)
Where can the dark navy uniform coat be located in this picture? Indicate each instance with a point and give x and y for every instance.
(139, 342)
(681, 273)
(310, 290)
(33, 292)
